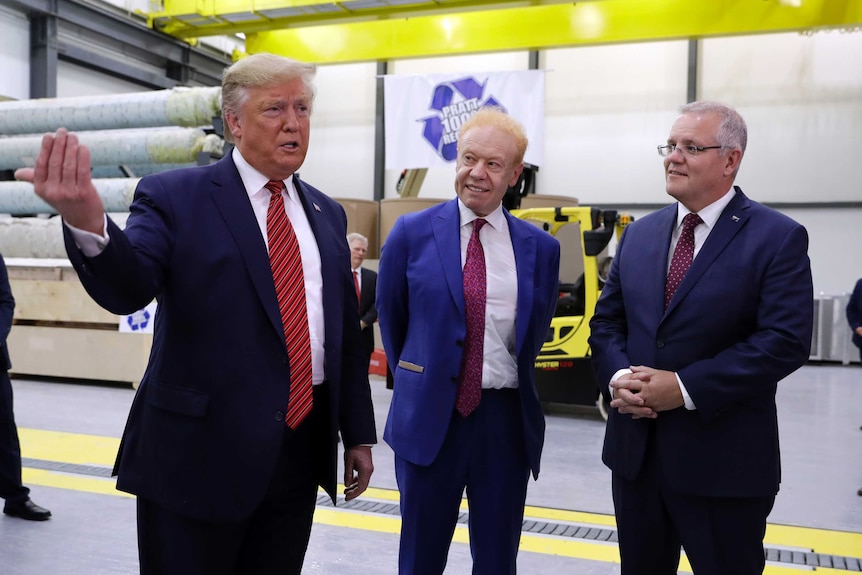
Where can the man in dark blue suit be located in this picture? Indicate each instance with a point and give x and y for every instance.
(854, 318)
(16, 494)
(464, 411)
(692, 372)
(366, 284)
(220, 446)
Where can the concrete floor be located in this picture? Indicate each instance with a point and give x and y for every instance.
(93, 528)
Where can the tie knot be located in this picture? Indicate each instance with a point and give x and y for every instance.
(477, 225)
(691, 221)
(274, 186)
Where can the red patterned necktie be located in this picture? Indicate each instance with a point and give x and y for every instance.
(286, 263)
(470, 384)
(683, 254)
(356, 284)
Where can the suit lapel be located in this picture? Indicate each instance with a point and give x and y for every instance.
(230, 197)
(732, 219)
(524, 244)
(443, 224)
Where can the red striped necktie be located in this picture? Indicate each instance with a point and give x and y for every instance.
(286, 263)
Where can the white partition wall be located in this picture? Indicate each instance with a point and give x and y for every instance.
(607, 109)
(802, 99)
(340, 157)
(15, 55)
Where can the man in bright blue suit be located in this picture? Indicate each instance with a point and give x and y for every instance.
(692, 369)
(464, 411)
(220, 446)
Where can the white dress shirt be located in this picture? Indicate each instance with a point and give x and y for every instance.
(499, 364)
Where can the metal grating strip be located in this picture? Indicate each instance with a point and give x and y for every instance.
(565, 530)
(76, 468)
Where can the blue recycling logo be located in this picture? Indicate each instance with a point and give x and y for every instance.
(453, 103)
(138, 320)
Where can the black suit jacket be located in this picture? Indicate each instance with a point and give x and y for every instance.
(207, 424)
(367, 309)
(854, 312)
(7, 310)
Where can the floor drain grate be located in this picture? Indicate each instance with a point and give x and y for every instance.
(795, 557)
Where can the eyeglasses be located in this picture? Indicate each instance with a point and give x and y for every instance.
(689, 150)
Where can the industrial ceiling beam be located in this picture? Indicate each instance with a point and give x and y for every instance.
(541, 27)
(196, 18)
(129, 39)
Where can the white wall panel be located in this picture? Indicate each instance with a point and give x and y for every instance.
(802, 99)
(340, 157)
(74, 80)
(15, 55)
(607, 109)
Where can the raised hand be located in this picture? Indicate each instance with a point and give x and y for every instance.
(61, 178)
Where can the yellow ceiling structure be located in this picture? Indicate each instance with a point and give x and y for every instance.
(324, 31)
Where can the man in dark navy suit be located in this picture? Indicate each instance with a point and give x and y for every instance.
(854, 317)
(17, 496)
(226, 442)
(366, 285)
(691, 357)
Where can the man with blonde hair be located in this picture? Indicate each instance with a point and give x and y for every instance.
(256, 364)
(465, 295)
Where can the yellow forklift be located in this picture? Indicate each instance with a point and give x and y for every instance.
(563, 371)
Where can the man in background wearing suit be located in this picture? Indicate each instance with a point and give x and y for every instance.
(854, 318)
(691, 357)
(466, 293)
(365, 281)
(17, 496)
(256, 363)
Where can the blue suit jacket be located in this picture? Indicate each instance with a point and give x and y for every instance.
(420, 302)
(207, 424)
(739, 323)
(854, 312)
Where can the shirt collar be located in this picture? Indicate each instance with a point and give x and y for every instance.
(710, 213)
(495, 218)
(254, 181)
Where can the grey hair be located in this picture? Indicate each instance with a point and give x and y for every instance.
(260, 70)
(732, 132)
(356, 236)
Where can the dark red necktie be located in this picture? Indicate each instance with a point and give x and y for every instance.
(470, 383)
(356, 285)
(286, 263)
(683, 254)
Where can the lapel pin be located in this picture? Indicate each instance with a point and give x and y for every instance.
(316, 207)
(734, 218)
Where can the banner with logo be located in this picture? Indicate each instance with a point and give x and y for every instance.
(424, 112)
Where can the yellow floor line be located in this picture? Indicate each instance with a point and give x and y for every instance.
(85, 449)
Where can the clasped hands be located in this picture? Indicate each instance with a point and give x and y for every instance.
(645, 392)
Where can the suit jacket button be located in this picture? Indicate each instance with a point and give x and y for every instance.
(454, 379)
(284, 359)
(459, 342)
(659, 343)
(279, 416)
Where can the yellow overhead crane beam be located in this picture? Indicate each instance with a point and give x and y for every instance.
(468, 28)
